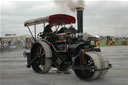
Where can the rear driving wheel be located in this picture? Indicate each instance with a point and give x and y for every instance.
(42, 64)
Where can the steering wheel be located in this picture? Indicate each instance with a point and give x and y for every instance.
(39, 35)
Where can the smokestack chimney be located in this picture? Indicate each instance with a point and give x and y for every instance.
(80, 19)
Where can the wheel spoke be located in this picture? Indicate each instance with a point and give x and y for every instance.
(40, 50)
(42, 54)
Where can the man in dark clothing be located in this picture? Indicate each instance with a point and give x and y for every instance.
(47, 30)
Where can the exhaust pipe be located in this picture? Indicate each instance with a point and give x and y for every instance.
(80, 19)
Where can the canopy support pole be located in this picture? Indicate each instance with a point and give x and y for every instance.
(35, 31)
(31, 33)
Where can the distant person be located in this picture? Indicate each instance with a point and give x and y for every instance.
(9, 43)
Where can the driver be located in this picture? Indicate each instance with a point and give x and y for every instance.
(47, 30)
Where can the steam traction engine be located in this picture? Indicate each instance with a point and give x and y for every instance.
(65, 48)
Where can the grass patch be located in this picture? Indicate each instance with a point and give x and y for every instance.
(117, 43)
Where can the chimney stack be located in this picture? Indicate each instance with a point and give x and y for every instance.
(80, 19)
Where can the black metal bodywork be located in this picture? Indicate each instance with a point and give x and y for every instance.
(64, 47)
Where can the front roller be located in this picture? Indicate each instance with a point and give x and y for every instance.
(41, 57)
(95, 66)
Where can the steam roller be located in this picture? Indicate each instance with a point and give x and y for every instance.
(65, 48)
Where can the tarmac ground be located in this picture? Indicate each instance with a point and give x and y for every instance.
(13, 70)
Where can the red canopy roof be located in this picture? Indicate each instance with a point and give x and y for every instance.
(53, 20)
(61, 19)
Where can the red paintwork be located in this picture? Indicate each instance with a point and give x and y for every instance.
(61, 19)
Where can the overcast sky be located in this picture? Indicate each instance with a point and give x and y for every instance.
(101, 17)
